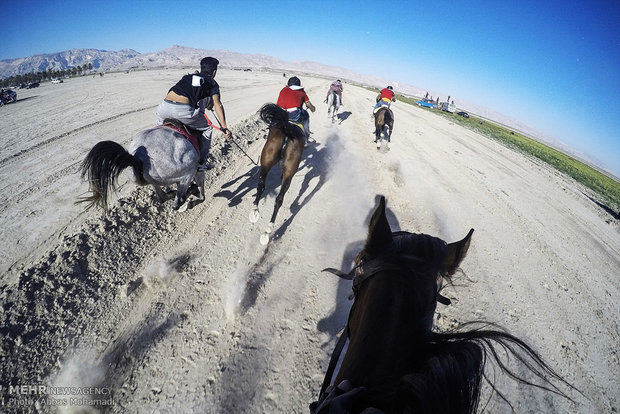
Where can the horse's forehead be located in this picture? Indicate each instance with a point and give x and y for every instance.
(412, 243)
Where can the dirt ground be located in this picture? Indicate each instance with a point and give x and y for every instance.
(186, 311)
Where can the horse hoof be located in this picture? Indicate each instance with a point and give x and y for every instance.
(254, 215)
(183, 207)
(264, 239)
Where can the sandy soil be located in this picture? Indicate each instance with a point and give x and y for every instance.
(173, 312)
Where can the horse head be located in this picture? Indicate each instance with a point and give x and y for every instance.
(398, 276)
(395, 361)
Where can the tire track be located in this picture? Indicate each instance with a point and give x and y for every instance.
(73, 131)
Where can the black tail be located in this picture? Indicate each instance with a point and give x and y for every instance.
(275, 116)
(103, 164)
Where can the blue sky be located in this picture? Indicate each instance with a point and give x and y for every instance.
(554, 65)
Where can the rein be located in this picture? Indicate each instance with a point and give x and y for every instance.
(232, 138)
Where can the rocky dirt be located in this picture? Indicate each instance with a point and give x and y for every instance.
(186, 311)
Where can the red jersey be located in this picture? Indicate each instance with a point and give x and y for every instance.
(386, 95)
(290, 98)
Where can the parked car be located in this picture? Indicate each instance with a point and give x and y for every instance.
(33, 85)
(56, 80)
(7, 96)
(427, 103)
(463, 114)
(447, 107)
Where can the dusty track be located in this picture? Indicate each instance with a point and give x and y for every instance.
(186, 311)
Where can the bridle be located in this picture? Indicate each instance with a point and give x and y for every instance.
(359, 274)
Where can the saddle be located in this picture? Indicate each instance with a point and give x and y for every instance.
(383, 105)
(297, 119)
(192, 135)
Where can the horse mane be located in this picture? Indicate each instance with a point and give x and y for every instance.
(450, 377)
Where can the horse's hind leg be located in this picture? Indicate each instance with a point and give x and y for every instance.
(289, 168)
(181, 194)
(268, 158)
(161, 195)
(378, 130)
(260, 188)
(200, 183)
(378, 133)
(286, 183)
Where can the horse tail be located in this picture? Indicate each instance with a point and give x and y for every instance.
(274, 116)
(103, 164)
(451, 378)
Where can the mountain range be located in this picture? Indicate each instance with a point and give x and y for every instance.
(100, 59)
(181, 56)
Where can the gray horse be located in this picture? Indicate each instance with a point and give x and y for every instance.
(333, 104)
(158, 156)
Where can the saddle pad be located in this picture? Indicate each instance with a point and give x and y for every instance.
(379, 108)
(191, 137)
(298, 125)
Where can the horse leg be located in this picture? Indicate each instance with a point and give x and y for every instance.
(290, 165)
(161, 195)
(378, 132)
(269, 157)
(262, 177)
(329, 105)
(181, 194)
(200, 182)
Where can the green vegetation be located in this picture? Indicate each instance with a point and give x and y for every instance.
(607, 189)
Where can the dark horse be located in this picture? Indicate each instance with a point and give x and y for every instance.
(384, 118)
(395, 362)
(285, 144)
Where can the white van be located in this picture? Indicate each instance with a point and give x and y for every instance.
(447, 107)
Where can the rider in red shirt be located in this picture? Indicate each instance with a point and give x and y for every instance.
(385, 97)
(291, 98)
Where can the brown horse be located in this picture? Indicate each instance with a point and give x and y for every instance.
(395, 362)
(285, 144)
(384, 118)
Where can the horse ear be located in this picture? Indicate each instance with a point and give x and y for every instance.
(455, 253)
(379, 232)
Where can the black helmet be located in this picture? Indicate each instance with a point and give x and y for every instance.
(389, 87)
(294, 81)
